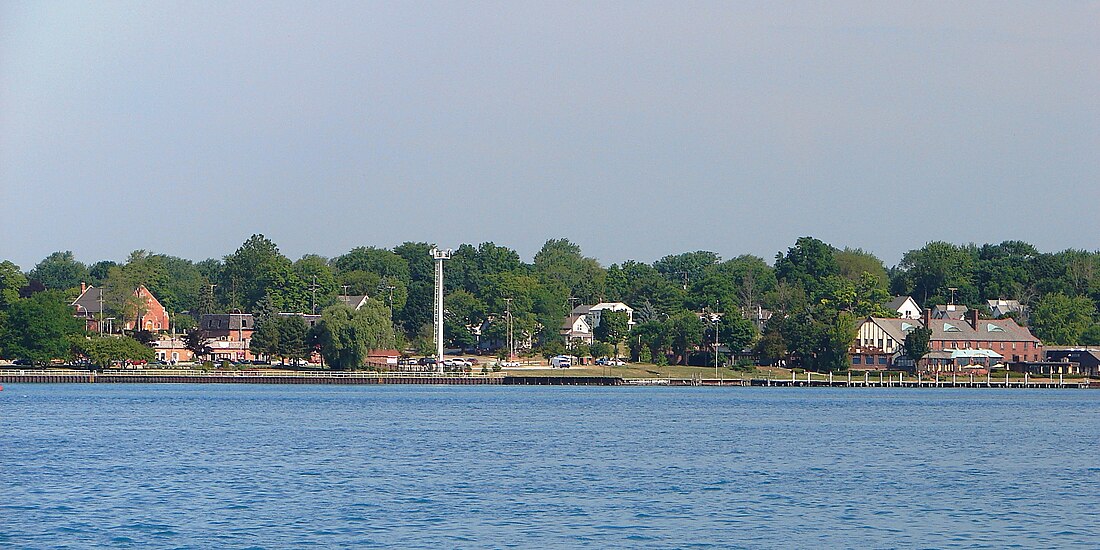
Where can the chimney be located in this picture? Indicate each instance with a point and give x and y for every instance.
(926, 317)
(83, 287)
(973, 314)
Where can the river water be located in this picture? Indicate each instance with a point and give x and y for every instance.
(236, 466)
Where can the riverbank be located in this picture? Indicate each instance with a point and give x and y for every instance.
(548, 377)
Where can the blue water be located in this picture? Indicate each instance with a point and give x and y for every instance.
(233, 466)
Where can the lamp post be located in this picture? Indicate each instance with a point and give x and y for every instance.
(717, 319)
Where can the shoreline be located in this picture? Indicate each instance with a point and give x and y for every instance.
(363, 378)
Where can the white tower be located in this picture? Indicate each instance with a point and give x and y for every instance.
(439, 256)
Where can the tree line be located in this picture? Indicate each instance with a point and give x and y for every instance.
(816, 294)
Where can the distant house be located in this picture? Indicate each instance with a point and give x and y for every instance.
(92, 303)
(354, 302)
(581, 323)
(906, 307)
(1087, 358)
(229, 335)
(172, 350)
(950, 311)
(758, 316)
(1002, 308)
(576, 329)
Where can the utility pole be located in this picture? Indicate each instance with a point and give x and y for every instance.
(101, 311)
(313, 300)
(345, 294)
(717, 320)
(508, 317)
(439, 256)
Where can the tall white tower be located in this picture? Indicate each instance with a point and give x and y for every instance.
(439, 256)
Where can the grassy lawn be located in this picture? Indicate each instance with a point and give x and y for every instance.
(643, 370)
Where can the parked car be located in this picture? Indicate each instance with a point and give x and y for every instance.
(608, 361)
(426, 361)
(509, 363)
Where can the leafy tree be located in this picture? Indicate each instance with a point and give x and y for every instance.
(320, 283)
(346, 335)
(381, 262)
(807, 263)
(97, 272)
(917, 344)
(752, 278)
(685, 330)
(11, 280)
(195, 341)
(684, 269)
(39, 328)
(254, 269)
(771, 348)
(602, 349)
(854, 262)
(59, 271)
(465, 313)
(104, 351)
(613, 328)
(292, 338)
(561, 261)
(419, 260)
(1062, 320)
(928, 272)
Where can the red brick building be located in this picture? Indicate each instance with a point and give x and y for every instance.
(92, 306)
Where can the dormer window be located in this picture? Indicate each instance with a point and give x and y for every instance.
(948, 327)
(990, 327)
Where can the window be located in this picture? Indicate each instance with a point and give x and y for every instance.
(856, 360)
(882, 359)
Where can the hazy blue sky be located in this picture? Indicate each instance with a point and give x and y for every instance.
(636, 129)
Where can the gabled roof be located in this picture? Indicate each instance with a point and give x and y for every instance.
(899, 301)
(89, 300)
(989, 330)
(354, 302)
(950, 311)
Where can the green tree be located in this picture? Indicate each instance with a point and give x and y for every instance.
(254, 269)
(195, 341)
(11, 280)
(292, 337)
(1061, 320)
(806, 264)
(381, 262)
(39, 328)
(928, 272)
(685, 330)
(917, 344)
(561, 261)
(854, 262)
(104, 351)
(346, 335)
(613, 328)
(60, 271)
(687, 268)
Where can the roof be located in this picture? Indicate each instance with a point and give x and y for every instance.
(89, 300)
(899, 301)
(354, 302)
(232, 321)
(989, 330)
(949, 311)
(571, 321)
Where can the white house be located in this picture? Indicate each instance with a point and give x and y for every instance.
(576, 328)
(906, 307)
(1001, 308)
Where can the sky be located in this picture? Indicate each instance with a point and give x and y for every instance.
(635, 129)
